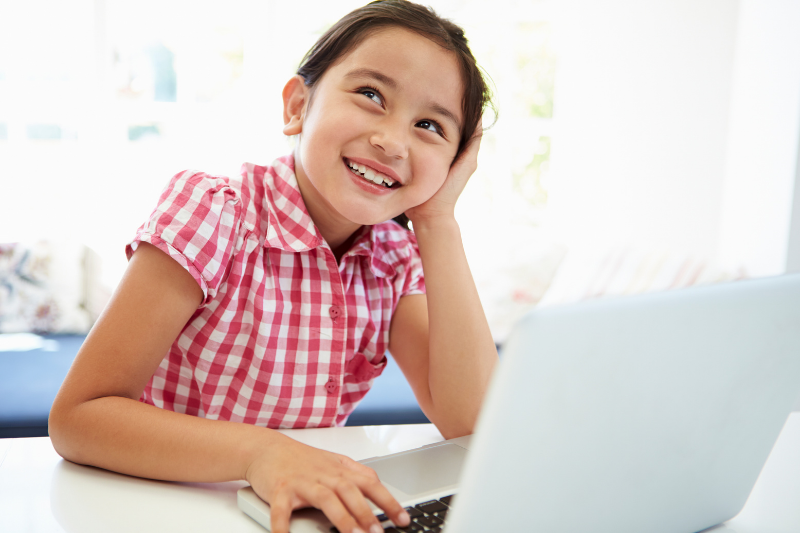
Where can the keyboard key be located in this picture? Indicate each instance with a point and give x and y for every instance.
(428, 521)
(431, 506)
(447, 499)
(413, 512)
(440, 514)
(412, 528)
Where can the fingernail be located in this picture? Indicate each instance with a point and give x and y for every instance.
(404, 518)
(375, 528)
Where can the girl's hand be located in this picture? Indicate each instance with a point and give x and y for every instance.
(443, 203)
(291, 475)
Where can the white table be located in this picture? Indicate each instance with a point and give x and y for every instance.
(41, 492)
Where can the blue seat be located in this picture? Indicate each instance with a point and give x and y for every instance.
(390, 401)
(29, 381)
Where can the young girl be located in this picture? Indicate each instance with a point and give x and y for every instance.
(275, 297)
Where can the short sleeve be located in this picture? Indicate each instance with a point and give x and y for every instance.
(196, 222)
(414, 282)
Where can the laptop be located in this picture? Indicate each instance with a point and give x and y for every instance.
(649, 413)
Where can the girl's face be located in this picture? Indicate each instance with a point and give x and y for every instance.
(392, 106)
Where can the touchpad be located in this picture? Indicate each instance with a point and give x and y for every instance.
(422, 470)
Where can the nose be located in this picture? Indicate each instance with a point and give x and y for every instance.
(391, 137)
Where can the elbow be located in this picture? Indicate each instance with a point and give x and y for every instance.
(454, 419)
(59, 428)
(57, 431)
(453, 430)
(452, 427)
(454, 433)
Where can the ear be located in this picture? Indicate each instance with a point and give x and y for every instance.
(295, 94)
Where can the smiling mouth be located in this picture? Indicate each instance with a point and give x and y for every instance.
(372, 176)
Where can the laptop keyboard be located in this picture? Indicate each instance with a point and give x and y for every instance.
(427, 516)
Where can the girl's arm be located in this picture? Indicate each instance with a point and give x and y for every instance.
(97, 419)
(441, 340)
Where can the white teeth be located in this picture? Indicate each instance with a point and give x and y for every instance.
(370, 175)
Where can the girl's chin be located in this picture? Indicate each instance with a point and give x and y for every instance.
(361, 211)
(365, 219)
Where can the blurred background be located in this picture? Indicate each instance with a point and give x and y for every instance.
(640, 145)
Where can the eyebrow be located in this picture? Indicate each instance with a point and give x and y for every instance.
(374, 74)
(392, 84)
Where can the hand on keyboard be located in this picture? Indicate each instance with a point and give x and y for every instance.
(289, 475)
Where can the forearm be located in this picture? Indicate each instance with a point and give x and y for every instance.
(462, 352)
(133, 438)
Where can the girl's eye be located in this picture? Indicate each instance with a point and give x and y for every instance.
(430, 126)
(372, 95)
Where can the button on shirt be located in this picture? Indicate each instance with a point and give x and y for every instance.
(284, 337)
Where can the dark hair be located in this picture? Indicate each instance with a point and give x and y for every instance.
(359, 24)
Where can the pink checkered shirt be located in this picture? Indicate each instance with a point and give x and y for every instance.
(284, 337)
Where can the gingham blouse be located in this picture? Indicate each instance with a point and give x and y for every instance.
(284, 337)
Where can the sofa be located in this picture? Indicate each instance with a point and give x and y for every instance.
(52, 290)
(32, 368)
(51, 293)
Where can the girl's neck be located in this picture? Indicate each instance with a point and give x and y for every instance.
(337, 231)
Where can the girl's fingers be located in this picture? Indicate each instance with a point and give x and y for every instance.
(473, 144)
(467, 162)
(329, 503)
(362, 469)
(355, 502)
(342, 495)
(371, 487)
(470, 155)
(280, 510)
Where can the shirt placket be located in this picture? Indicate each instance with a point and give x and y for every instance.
(337, 313)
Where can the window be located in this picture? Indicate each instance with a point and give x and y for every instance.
(114, 97)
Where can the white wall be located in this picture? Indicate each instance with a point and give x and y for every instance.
(642, 101)
(677, 125)
(793, 259)
(763, 139)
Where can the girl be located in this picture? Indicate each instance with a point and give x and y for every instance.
(276, 296)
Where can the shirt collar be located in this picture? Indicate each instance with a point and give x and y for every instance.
(386, 245)
(290, 228)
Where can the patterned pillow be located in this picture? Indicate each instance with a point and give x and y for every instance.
(511, 284)
(622, 270)
(44, 289)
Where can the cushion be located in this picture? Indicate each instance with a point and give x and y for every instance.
(620, 270)
(49, 287)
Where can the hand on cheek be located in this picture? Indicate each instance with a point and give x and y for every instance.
(443, 202)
